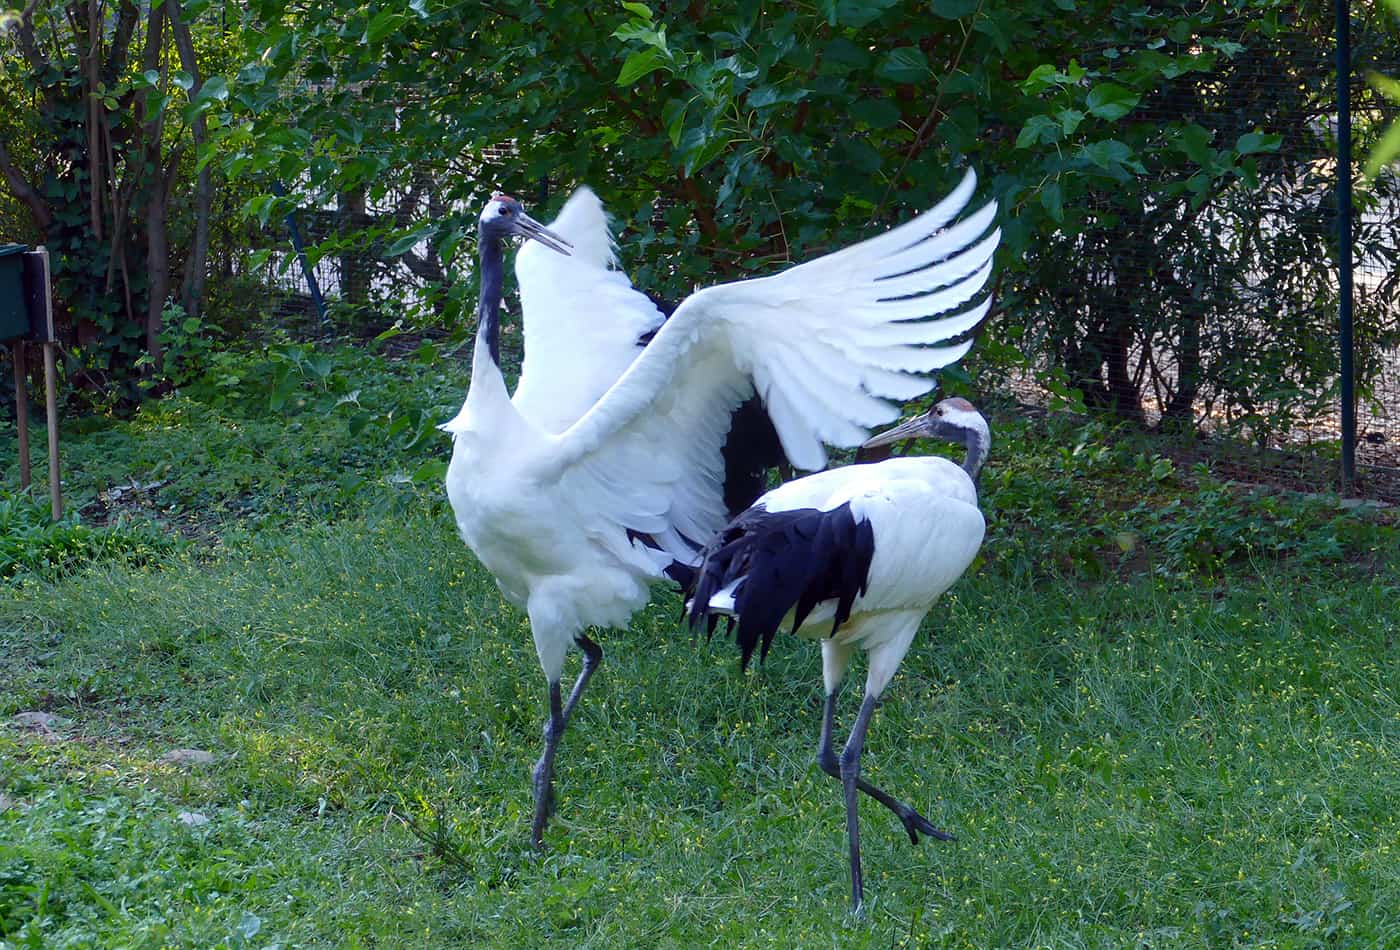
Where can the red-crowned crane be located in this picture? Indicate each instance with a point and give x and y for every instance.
(577, 517)
(853, 557)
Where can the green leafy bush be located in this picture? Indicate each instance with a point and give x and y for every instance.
(31, 542)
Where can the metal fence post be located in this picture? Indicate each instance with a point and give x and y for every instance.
(1344, 302)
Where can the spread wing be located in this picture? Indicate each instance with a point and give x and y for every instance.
(583, 320)
(832, 346)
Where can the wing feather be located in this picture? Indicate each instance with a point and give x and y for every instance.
(826, 344)
(583, 320)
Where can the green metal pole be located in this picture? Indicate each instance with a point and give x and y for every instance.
(1344, 240)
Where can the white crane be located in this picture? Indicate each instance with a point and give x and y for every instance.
(576, 519)
(853, 557)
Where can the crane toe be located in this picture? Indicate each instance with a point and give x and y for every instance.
(915, 823)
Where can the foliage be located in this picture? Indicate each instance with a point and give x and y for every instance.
(1126, 731)
(264, 436)
(1139, 154)
(33, 544)
(103, 157)
(1388, 148)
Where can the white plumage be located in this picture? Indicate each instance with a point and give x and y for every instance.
(854, 558)
(577, 511)
(582, 318)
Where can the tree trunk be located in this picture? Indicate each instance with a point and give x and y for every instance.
(354, 282)
(157, 193)
(192, 294)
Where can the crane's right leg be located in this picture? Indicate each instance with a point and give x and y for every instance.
(559, 713)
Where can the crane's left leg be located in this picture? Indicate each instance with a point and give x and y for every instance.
(852, 783)
(559, 713)
(835, 656)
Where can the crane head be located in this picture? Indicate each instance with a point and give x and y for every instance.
(504, 217)
(951, 420)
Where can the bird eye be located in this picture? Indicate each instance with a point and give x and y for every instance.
(504, 210)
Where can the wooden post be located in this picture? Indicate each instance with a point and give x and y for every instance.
(51, 398)
(21, 409)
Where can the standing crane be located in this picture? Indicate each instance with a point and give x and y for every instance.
(853, 557)
(576, 519)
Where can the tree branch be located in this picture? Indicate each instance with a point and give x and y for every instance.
(19, 187)
(28, 45)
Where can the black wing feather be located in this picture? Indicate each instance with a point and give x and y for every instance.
(784, 561)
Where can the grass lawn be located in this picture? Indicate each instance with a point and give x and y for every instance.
(1148, 725)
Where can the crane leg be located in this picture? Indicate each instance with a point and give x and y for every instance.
(826, 758)
(559, 713)
(850, 782)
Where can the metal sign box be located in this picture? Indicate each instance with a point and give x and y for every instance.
(26, 309)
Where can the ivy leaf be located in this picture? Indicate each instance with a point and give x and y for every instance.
(907, 64)
(1110, 101)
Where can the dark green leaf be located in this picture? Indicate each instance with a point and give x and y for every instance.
(1195, 142)
(953, 9)
(1111, 101)
(1038, 128)
(382, 24)
(1052, 199)
(906, 64)
(876, 113)
(1252, 142)
(854, 13)
(405, 243)
(639, 64)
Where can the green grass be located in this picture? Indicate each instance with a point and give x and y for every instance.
(1190, 741)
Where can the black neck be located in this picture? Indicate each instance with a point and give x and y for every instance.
(976, 453)
(488, 308)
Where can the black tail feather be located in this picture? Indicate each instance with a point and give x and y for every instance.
(788, 561)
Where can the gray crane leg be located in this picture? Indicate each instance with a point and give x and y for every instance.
(826, 758)
(554, 727)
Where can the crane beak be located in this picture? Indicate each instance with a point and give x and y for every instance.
(528, 227)
(923, 426)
